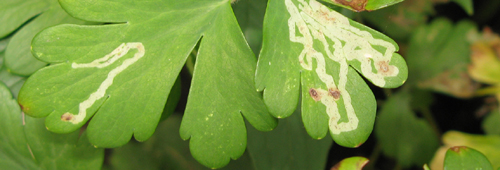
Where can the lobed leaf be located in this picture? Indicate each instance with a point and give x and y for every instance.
(13, 13)
(18, 57)
(308, 46)
(120, 74)
(403, 136)
(26, 144)
(287, 147)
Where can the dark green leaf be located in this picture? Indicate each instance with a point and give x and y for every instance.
(26, 144)
(438, 56)
(250, 15)
(323, 56)
(399, 21)
(467, 5)
(287, 147)
(411, 141)
(13, 13)
(164, 150)
(465, 158)
(18, 57)
(147, 47)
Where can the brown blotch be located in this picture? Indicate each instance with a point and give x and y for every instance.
(335, 93)
(458, 148)
(384, 68)
(314, 94)
(357, 5)
(66, 117)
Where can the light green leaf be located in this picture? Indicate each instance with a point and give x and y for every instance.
(491, 123)
(309, 46)
(467, 5)
(438, 56)
(489, 145)
(402, 135)
(352, 163)
(164, 150)
(18, 57)
(26, 144)
(124, 72)
(13, 13)
(287, 147)
(464, 158)
(362, 5)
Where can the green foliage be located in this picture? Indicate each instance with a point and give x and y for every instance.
(408, 139)
(26, 144)
(352, 163)
(93, 74)
(462, 158)
(295, 54)
(287, 147)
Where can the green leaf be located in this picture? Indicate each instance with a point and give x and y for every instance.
(403, 136)
(352, 163)
(164, 150)
(287, 147)
(464, 158)
(438, 56)
(297, 50)
(491, 122)
(399, 21)
(484, 58)
(250, 15)
(26, 144)
(12, 81)
(467, 5)
(120, 75)
(18, 57)
(13, 13)
(362, 5)
(489, 145)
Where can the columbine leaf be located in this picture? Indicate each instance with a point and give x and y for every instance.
(164, 150)
(438, 56)
(26, 144)
(13, 13)
(287, 147)
(362, 5)
(124, 72)
(491, 122)
(462, 157)
(18, 57)
(352, 163)
(411, 141)
(310, 46)
(486, 144)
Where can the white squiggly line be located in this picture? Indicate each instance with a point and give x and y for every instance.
(316, 21)
(105, 61)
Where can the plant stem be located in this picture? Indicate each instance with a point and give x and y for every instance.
(374, 157)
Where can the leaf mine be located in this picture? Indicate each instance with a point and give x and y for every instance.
(105, 61)
(315, 21)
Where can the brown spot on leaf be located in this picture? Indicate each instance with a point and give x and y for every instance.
(66, 117)
(384, 68)
(458, 148)
(357, 5)
(335, 93)
(314, 94)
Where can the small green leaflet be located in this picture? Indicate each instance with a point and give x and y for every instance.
(18, 57)
(120, 74)
(26, 144)
(325, 49)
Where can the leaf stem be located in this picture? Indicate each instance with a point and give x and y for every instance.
(374, 157)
